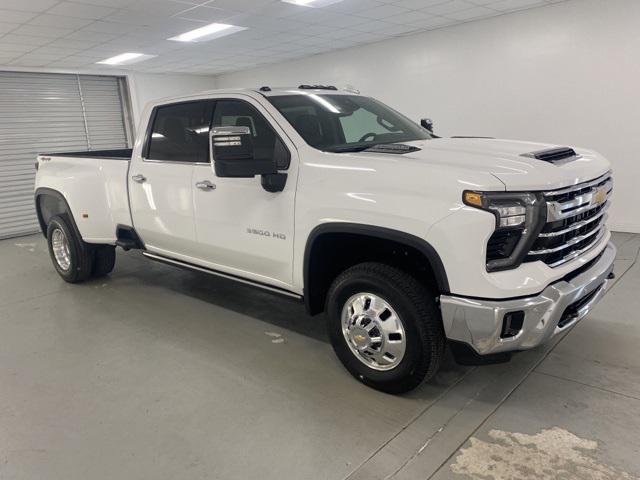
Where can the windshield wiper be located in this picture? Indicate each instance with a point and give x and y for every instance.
(391, 148)
(347, 149)
(375, 148)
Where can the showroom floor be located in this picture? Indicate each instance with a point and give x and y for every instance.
(159, 373)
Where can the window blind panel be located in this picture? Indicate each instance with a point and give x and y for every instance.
(40, 113)
(104, 112)
(49, 113)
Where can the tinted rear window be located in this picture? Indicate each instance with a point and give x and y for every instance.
(181, 132)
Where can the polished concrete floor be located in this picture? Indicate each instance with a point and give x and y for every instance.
(157, 373)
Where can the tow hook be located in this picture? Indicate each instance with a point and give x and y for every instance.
(611, 276)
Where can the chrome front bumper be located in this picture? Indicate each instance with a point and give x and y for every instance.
(479, 323)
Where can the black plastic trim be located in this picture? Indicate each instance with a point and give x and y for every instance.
(552, 155)
(114, 154)
(392, 148)
(378, 232)
(274, 182)
(42, 191)
(126, 232)
(318, 87)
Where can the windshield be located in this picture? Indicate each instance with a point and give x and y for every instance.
(346, 123)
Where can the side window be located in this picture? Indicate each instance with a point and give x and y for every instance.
(266, 143)
(181, 132)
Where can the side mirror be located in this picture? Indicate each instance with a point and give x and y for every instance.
(427, 123)
(232, 154)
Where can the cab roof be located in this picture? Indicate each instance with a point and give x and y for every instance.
(304, 90)
(265, 91)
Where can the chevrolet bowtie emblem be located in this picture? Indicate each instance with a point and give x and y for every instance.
(600, 196)
(360, 338)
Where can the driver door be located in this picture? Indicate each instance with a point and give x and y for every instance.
(241, 228)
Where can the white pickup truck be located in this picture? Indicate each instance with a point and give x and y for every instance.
(406, 241)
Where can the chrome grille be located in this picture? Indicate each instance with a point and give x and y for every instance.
(576, 218)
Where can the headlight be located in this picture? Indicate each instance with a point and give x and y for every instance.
(519, 219)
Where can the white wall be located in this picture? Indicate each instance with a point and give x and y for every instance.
(567, 73)
(144, 87)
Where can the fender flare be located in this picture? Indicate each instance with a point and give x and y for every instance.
(419, 244)
(42, 191)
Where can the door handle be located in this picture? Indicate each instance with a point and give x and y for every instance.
(139, 178)
(205, 185)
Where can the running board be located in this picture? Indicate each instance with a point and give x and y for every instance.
(228, 276)
(127, 238)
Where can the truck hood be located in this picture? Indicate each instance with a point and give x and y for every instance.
(504, 159)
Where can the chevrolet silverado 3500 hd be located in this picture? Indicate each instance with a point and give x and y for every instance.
(405, 240)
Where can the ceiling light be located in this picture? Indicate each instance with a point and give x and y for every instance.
(312, 3)
(126, 59)
(208, 32)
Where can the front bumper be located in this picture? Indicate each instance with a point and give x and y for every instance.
(479, 323)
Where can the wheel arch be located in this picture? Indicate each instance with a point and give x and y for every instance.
(49, 203)
(317, 276)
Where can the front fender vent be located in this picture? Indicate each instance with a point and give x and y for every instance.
(553, 155)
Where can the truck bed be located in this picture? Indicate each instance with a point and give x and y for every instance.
(94, 185)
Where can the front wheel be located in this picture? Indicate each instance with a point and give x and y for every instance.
(385, 327)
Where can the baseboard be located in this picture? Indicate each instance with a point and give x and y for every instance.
(624, 227)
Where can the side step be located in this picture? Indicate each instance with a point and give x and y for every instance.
(228, 276)
(128, 239)
(127, 244)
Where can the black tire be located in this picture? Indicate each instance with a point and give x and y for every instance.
(413, 302)
(104, 259)
(80, 254)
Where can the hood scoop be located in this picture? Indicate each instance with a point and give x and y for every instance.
(554, 155)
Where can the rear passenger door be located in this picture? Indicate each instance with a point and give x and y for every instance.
(160, 182)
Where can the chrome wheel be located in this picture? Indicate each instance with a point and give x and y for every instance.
(60, 247)
(374, 332)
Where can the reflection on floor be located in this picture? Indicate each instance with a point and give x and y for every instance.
(159, 373)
